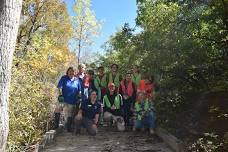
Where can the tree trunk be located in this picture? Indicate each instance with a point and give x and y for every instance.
(79, 51)
(9, 21)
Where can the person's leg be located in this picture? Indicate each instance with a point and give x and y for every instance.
(119, 123)
(150, 122)
(69, 113)
(65, 112)
(99, 95)
(57, 115)
(89, 126)
(107, 117)
(138, 124)
(56, 120)
(76, 109)
(86, 93)
(78, 125)
(101, 116)
(124, 109)
(128, 112)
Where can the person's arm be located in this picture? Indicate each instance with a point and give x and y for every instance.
(121, 110)
(96, 119)
(60, 91)
(60, 85)
(153, 91)
(79, 88)
(96, 83)
(104, 105)
(121, 78)
(134, 95)
(80, 83)
(79, 115)
(121, 90)
(105, 108)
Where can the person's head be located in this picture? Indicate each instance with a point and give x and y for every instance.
(81, 68)
(114, 67)
(128, 76)
(111, 87)
(149, 78)
(141, 96)
(90, 73)
(93, 96)
(135, 69)
(100, 70)
(70, 72)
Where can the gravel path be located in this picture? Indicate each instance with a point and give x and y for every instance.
(107, 140)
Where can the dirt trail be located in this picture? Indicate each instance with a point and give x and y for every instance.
(107, 140)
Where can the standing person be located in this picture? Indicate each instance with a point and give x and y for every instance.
(128, 92)
(88, 84)
(101, 86)
(101, 83)
(136, 76)
(80, 75)
(69, 89)
(88, 115)
(146, 86)
(145, 116)
(114, 76)
(81, 71)
(113, 107)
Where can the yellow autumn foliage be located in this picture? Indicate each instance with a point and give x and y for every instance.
(42, 56)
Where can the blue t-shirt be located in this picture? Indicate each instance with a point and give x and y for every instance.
(70, 89)
(90, 110)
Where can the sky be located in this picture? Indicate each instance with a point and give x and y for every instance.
(114, 13)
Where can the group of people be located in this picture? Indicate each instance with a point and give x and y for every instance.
(106, 99)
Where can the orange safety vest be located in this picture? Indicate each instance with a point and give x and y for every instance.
(147, 88)
(129, 89)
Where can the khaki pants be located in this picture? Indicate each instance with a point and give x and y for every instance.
(70, 110)
(117, 119)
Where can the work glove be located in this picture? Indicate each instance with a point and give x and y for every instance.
(61, 98)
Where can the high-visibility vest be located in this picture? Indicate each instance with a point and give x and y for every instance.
(117, 101)
(116, 81)
(129, 89)
(146, 88)
(136, 79)
(100, 83)
(139, 109)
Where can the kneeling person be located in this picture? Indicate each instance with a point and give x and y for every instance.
(88, 115)
(144, 111)
(113, 107)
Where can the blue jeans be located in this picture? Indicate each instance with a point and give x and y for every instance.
(147, 121)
